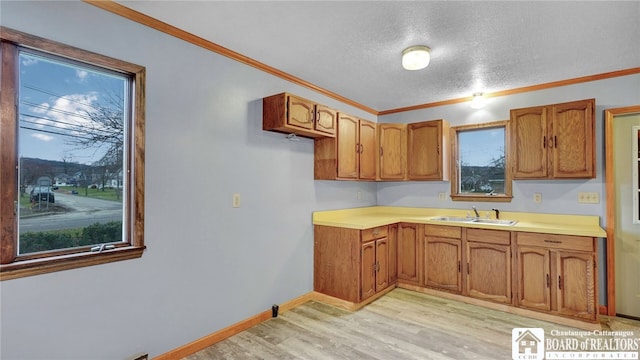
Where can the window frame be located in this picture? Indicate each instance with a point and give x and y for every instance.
(13, 265)
(455, 158)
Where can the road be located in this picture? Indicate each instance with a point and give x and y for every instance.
(83, 212)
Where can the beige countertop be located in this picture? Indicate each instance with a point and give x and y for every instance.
(368, 217)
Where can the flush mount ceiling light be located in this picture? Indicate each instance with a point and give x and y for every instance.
(478, 101)
(416, 57)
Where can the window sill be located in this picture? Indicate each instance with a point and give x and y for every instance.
(484, 198)
(26, 268)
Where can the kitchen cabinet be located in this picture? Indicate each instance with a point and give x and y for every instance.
(409, 239)
(428, 150)
(393, 253)
(443, 257)
(556, 273)
(350, 264)
(392, 151)
(553, 141)
(488, 255)
(351, 155)
(291, 114)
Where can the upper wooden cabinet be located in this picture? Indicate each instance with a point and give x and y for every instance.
(553, 141)
(351, 155)
(428, 150)
(288, 113)
(392, 151)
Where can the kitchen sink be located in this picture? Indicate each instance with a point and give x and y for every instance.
(502, 222)
(495, 221)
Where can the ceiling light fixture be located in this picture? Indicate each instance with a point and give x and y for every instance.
(478, 101)
(416, 57)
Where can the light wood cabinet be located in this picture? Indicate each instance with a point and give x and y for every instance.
(351, 155)
(443, 258)
(393, 253)
(288, 114)
(428, 150)
(409, 239)
(392, 151)
(557, 273)
(553, 141)
(488, 254)
(351, 264)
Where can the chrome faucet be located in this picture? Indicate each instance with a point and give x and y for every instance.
(475, 211)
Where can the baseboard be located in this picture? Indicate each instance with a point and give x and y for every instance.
(206, 341)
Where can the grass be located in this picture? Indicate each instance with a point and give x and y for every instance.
(107, 194)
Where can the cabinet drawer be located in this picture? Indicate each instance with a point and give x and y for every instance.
(443, 231)
(568, 242)
(489, 236)
(374, 233)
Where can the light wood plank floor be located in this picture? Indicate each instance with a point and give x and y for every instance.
(401, 325)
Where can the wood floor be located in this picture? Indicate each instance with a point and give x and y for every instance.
(401, 325)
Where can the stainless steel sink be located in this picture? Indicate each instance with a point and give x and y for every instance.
(495, 222)
(502, 222)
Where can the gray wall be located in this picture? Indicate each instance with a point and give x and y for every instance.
(208, 265)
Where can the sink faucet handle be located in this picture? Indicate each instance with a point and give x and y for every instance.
(475, 211)
(497, 213)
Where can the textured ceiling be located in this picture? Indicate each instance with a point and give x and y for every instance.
(353, 48)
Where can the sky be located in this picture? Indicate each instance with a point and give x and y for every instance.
(53, 101)
(479, 147)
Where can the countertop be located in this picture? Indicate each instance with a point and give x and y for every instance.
(369, 217)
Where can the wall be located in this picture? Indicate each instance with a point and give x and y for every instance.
(207, 265)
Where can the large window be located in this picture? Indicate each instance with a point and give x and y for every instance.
(72, 157)
(479, 166)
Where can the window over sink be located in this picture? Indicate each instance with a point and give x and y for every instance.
(479, 170)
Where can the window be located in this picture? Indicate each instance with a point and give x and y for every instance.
(479, 162)
(72, 147)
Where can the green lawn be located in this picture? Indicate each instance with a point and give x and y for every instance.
(107, 194)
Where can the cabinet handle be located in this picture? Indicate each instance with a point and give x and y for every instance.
(381, 152)
(559, 282)
(468, 271)
(555, 141)
(458, 265)
(548, 281)
(361, 149)
(544, 142)
(357, 148)
(553, 241)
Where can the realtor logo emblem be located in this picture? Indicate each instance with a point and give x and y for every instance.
(527, 343)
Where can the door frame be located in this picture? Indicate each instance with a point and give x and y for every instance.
(610, 115)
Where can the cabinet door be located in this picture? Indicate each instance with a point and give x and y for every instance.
(393, 253)
(300, 112)
(529, 141)
(572, 142)
(408, 247)
(425, 150)
(348, 146)
(534, 278)
(576, 284)
(368, 270)
(391, 154)
(326, 119)
(367, 150)
(382, 264)
(489, 271)
(442, 263)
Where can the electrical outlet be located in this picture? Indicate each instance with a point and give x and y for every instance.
(442, 196)
(589, 197)
(236, 200)
(359, 195)
(537, 198)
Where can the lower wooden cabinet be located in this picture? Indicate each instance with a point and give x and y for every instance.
(488, 274)
(409, 236)
(557, 273)
(350, 264)
(393, 253)
(443, 258)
